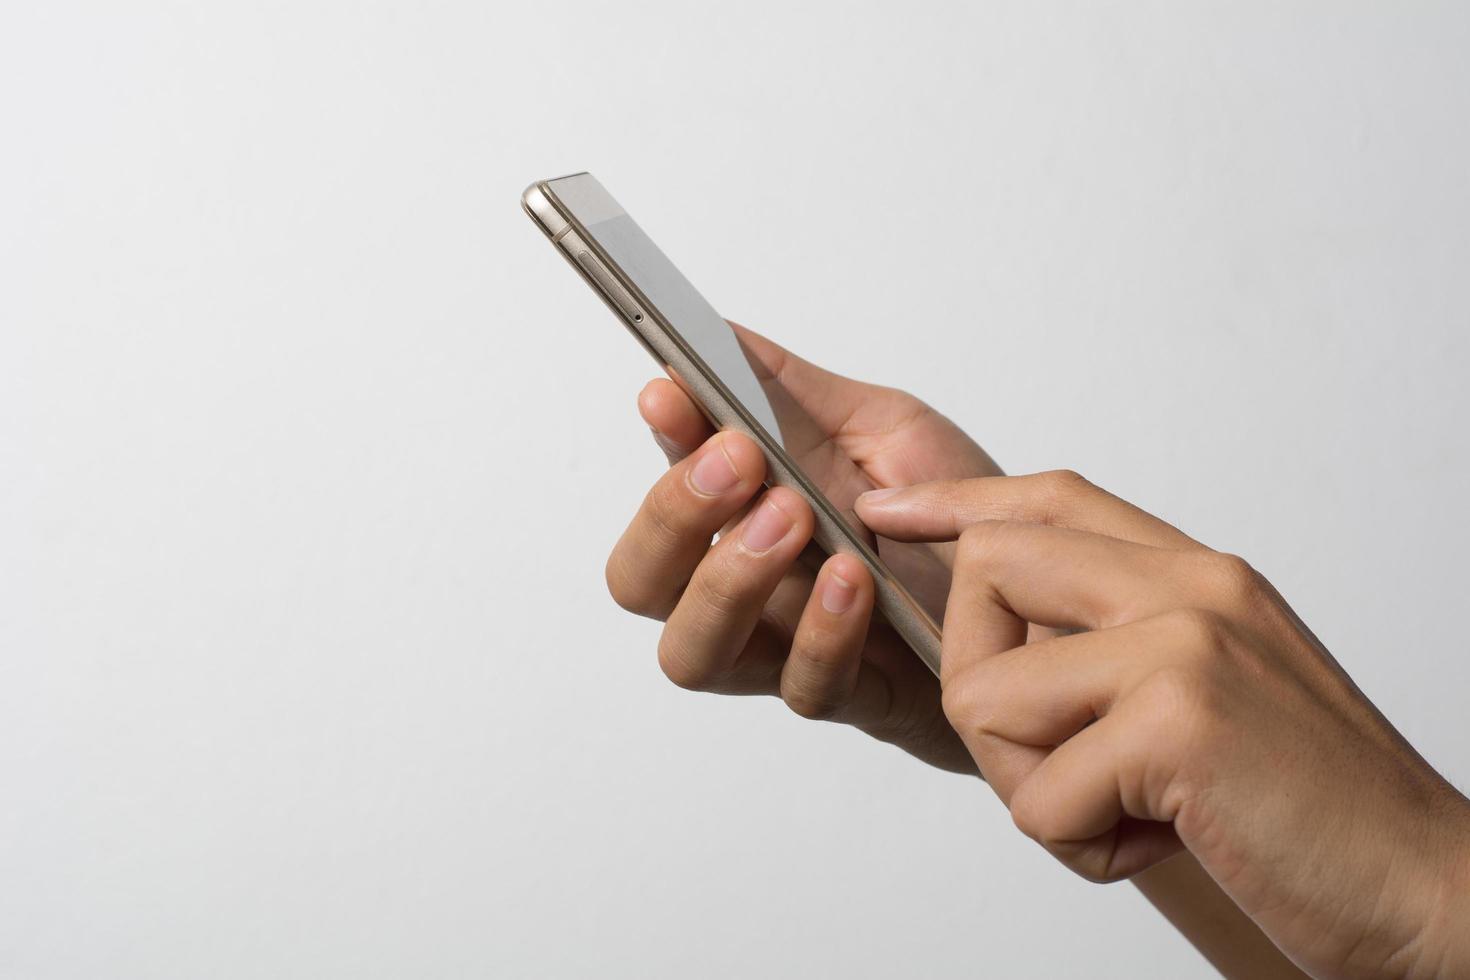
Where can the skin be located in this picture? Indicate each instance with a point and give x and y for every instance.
(1147, 708)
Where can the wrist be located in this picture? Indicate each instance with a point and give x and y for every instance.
(1445, 942)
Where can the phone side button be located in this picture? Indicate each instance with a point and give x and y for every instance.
(609, 286)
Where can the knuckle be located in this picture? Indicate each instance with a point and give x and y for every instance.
(680, 667)
(954, 700)
(969, 704)
(1066, 483)
(980, 541)
(1035, 816)
(720, 588)
(1173, 687)
(821, 648)
(1231, 578)
(662, 528)
(1202, 630)
(818, 679)
(1059, 491)
(626, 589)
(811, 702)
(1178, 699)
(1028, 817)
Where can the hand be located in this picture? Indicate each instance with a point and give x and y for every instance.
(1195, 711)
(746, 616)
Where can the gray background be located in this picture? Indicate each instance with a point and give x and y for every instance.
(312, 448)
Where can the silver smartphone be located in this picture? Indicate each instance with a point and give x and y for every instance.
(704, 354)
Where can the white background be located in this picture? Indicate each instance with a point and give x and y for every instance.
(311, 448)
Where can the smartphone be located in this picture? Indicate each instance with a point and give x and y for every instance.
(707, 357)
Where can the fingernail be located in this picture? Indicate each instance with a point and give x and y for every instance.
(714, 473)
(837, 594)
(765, 527)
(877, 497)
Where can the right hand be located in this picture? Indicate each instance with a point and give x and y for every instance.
(746, 616)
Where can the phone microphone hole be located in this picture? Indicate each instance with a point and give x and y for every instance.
(637, 317)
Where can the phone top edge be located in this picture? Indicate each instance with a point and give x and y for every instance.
(538, 204)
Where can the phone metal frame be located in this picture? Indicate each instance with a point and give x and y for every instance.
(663, 342)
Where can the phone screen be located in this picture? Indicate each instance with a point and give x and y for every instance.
(738, 364)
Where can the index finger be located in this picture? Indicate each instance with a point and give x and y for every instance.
(942, 509)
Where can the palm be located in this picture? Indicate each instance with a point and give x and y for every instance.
(894, 440)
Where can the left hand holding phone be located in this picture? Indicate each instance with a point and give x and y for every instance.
(745, 616)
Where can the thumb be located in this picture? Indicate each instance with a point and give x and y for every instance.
(941, 509)
(830, 399)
